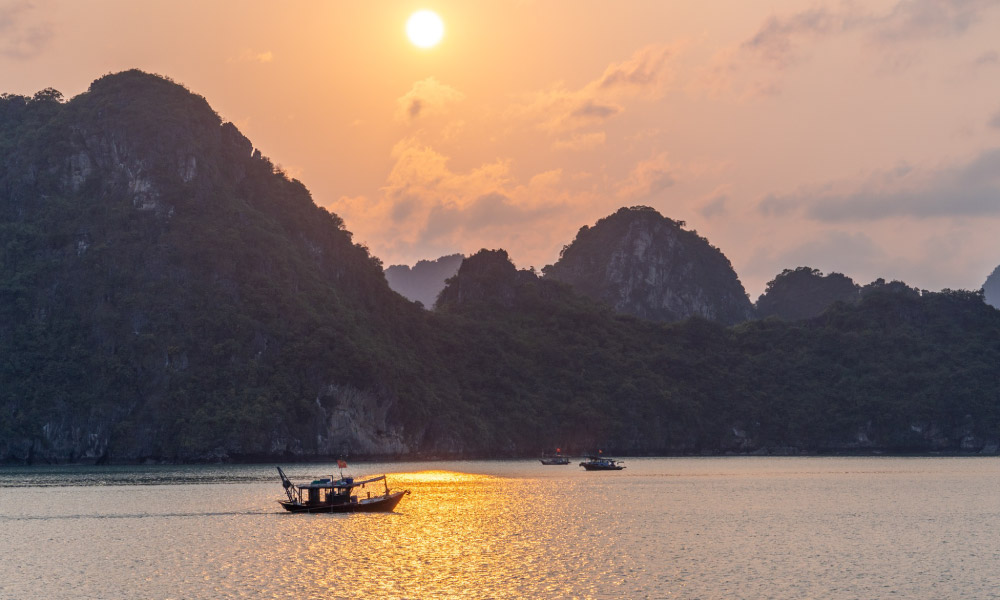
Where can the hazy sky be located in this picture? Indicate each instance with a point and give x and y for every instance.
(859, 137)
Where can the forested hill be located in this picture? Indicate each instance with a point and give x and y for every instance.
(894, 372)
(166, 293)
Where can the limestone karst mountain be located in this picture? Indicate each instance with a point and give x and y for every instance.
(165, 291)
(643, 264)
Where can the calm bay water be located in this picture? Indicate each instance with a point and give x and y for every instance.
(663, 528)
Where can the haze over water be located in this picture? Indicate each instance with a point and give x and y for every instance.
(663, 528)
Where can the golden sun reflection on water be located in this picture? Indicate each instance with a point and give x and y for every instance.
(437, 477)
(455, 535)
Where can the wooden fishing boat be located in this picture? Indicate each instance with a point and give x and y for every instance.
(337, 496)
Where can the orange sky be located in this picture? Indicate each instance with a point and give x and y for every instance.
(855, 137)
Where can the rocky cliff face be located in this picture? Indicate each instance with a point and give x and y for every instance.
(643, 264)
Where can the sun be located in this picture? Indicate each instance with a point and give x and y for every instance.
(425, 28)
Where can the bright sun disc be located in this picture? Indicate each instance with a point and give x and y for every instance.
(425, 28)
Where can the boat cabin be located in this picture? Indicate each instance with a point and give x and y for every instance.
(327, 491)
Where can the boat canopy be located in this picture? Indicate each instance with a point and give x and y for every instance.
(345, 483)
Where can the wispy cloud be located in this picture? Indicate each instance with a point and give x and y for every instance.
(967, 190)
(648, 179)
(580, 141)
(923, 19)
(427, 97)
(780, 40)
(19, 38)
(715, 207)
(995, 121)
(257, 56)
(990, 58)
(559, 110)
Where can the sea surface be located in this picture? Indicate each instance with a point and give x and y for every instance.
(662, 528)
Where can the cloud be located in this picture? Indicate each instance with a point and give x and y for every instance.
(20, 40)
(968, 190)
(427, 209)
(987, 59)
(426, 98)
(483, 212)
(780, 39)
(592, 110)
(647, 179)
(921, 19)
(580, 141)
(560, 110)
(249, 55)
(644, 70)
(995, 121)
(714, 207)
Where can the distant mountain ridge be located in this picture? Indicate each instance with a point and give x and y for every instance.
(991, 288)
(643, 264)
(425, 280)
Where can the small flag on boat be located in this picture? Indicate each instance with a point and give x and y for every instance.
(341, 463)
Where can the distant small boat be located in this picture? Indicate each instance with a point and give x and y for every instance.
(554, 460)
(602, 463)
(336, 496)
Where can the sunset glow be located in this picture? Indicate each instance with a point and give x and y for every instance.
(857, 138)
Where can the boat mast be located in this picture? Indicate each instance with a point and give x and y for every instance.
(288, 485)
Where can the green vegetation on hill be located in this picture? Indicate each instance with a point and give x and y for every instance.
(803, 293)
(164, 286)
(166, 293)
(896, 371)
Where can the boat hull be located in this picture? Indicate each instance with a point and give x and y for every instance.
(554, 461)
(602, 467)
(378, 504)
